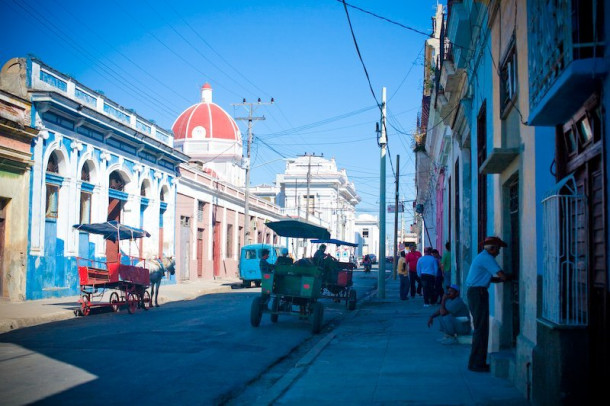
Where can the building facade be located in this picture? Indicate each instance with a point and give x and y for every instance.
(516, 132)
(367, 235)
(93, 161)
(313, 188)
(210, 209)
(16, 135)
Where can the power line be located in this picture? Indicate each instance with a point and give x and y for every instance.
(385, 19)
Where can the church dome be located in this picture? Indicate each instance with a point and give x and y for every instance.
(206, 120)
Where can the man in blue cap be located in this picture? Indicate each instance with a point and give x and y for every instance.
(284, 259)
(483, 271)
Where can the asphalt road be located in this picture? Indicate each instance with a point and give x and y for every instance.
(202, 351)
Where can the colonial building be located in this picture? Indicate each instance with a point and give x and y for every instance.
(514, 146)
(16, 135)
(211, 194)
(94, 161)
(312, 187)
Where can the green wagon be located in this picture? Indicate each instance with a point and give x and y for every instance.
(292, 289)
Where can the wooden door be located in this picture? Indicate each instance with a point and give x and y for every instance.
(199, 252)
(185, 243)
(216, 249)
(114, 213)
(3, 205)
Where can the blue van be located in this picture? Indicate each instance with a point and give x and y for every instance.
(249, 262)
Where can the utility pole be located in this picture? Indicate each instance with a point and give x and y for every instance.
(337, 213)
(250, 107)
(382, 206)
(395, 263)
(308, 182)
(307, 205)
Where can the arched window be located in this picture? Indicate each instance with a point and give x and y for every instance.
(53, 183)
(116, 182)
(85, 194)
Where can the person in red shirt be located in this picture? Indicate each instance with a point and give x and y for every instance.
(411, 258)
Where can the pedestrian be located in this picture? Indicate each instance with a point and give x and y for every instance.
(454, 316)
(438, 282)
(483, 271)
(427, 270)
(403, 274)
(446, 263)
(265, 267)
(264, 264)
(284, 259)
(320, 254)
(411, 258)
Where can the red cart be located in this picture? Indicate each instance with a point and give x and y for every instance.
(126, 282)
(337, 283)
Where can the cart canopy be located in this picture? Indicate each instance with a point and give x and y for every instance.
(334, 241)
(298, 229)
(113, 230)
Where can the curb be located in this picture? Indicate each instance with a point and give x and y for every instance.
(8, 325)
(11, 324)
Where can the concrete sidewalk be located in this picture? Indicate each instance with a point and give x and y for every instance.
(384, 353)
(14, 315)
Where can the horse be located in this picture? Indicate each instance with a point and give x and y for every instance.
(157, 268)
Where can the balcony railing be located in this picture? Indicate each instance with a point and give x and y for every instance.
(560, 33)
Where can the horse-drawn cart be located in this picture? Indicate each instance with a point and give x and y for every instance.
(292, 289)
(126, 282)
(337, 283)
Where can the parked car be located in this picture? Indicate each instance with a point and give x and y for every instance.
(249, 262)
(373, 258)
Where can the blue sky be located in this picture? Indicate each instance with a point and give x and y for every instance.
(154, 56)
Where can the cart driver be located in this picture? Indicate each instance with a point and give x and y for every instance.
(265, 266)
(318, 257)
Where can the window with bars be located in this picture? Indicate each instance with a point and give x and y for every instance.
(52, 201)
(482, 178)
(229, 239)
(200, 207)
(85, 208)
(565, 271)
(508, 77)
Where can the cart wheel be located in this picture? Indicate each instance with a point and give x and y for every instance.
(351, 302)
(145, 302)
(85, 306)
(256, 311)
(275, 307)
(318, 315)
(132, 303)
(114, 302)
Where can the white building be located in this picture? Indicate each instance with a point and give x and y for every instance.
(314, 189)
(367, 235)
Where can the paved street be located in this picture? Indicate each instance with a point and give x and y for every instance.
(203, 349)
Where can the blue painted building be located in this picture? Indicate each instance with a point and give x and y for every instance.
(517, 130)
(93, 161)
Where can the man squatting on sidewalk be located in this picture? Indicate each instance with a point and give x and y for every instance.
(454, 316)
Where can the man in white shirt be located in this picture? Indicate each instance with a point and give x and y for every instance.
(427, 270)
(483, 271)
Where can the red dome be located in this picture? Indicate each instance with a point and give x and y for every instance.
(206, 120)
